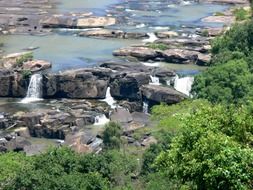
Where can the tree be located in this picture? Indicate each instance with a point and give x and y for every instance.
(227, 83)
(207, 155)
(111, 135)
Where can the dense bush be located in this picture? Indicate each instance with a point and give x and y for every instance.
(228, 83)
(210, 152)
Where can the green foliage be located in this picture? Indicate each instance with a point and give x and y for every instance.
(26, 74)
(210, 152)
(238, 38)
(227, 83)
(241, 14)
(10, 164)
(158, 46)
(111, 135)
(219, 14)
(24, 58)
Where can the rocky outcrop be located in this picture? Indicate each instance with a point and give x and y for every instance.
(36, 65)
(12, 84)
(166, 34)
(76, 21)
(83, 83)
(127, 85)
(106, 33)
(141, 53)
(10, 61)
(155, 94)
(185, 56)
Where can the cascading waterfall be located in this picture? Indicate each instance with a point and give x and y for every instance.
(154, 80)
(109, 99)
(101, 120)
(151, 39)
(184, 84)
(145, 107)
(34, 92)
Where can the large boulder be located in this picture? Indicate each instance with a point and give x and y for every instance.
(156, 94)
(127, 85)
(107, 33)
(95, 22)
(36, 65)
(180, 56)
(84, 83)
(141, 53)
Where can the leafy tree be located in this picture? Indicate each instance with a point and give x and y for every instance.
(208, 154)
(227, 83)
(111, 135)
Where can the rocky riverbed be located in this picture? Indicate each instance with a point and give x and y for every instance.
(120, 47)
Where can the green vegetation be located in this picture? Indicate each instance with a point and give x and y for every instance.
(111, 135)
(241, 14)
(219, 14)
(26, 74)
(158, 46)
(24, 58)
(203, 144)
(229, 79)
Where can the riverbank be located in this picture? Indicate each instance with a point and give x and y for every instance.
(131, 85)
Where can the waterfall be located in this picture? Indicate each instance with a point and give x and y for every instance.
(151, 39)
(145, 107)
(109, 99)
(34, 92)
(101, 120)
(184, 84)
(154, 80)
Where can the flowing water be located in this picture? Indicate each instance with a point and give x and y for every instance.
(65, 50)
(34, 92)
(184, 84)
(109, 99)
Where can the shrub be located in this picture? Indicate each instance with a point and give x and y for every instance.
(24, 58)
(111, 135)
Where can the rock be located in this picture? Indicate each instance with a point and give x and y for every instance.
(184, 42)
(10, 60)
(141, 53)
(157, 94)
(164, 74)
(203, 59)
(79, 84)
(212, 32)
(131, 106)
(23, 132)
(12, 84)
(17, 144)
(227, 20)
(233, 2)
(106, 33)
(83, 142)
(127, 85)
(166, 34)
(121, 116)
(36, 65)
(95, 22)
(180, 56)
(148, 141)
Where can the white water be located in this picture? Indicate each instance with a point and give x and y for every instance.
(154, 80)
(151, 39)
(109, 99)
(34, 92)
(101, 120)
(145, 107)
(184, 84)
